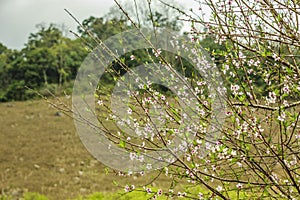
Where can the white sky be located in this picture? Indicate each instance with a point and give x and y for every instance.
(18, 18)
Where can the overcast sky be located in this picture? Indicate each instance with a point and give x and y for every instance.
(18, 18)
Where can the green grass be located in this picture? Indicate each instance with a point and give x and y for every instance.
(26, 196)
(133, 195)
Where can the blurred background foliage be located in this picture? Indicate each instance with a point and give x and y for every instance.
(49, 61)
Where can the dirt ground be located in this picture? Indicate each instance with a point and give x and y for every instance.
(41, 152)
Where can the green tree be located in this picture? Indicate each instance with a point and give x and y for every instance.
(148, 14)
(48, 59)
(96, 29)
(5, 55)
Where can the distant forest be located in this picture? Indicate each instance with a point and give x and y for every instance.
(49, 61)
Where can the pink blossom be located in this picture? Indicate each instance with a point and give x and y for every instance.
(286, 89)
(132, 57)
(159, 192)
(281, 117)
(148, 190)
(129, 111)
(157, 52)
(127, 188)
(239, 185)
(235, 89)
(100, 102)
(219, 188)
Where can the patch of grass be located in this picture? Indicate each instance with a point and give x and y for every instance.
(26, 196)
(121, 195)
(139, 194)
(34, 196)
(4, 198)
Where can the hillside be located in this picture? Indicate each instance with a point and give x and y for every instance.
(41, 152)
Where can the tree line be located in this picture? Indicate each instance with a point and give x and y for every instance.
(49, 60)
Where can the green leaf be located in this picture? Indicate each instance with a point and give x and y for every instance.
(106, 170)
(115, 183)
(122, 144)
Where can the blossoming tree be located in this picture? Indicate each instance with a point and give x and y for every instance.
(225, 130)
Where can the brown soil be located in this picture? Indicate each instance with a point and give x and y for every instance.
(41, 152)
